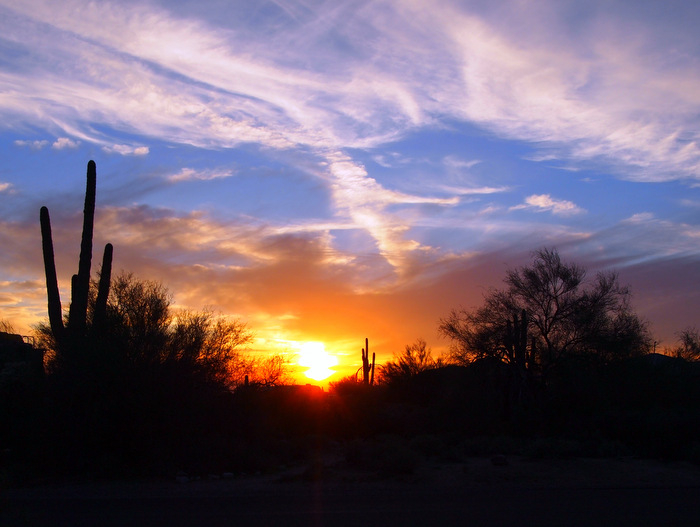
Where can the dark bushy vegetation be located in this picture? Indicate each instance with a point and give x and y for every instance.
(645, 406)
(415, 358)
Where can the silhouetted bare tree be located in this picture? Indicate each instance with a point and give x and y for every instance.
(269, 370)
(689, 347)
(565, 316)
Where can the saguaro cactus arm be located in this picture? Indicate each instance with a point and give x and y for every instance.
(81, 285)
(52, 293)
(103, 289)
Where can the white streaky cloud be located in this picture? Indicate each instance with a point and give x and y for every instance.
(640, 217)
(189, 174)
(311, 226)
(606, 99)
(643, 237)
(691, 232)
(5, 187)
(391, 159)
(127, 150)
(587, 104)
(364, 200)
(603, 101)
(541, 157)
(64, 142)
(545, 203)
(469, 191)
(490, 210)
(386, 160)
(454, 162)
(127, 94)
(34, 145)
(352, 181)
(197, 52)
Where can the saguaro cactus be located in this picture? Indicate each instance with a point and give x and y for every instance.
(52, 293)
(367, 367)
(77, 317)
(80, 283)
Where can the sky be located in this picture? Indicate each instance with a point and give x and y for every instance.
(330, 171)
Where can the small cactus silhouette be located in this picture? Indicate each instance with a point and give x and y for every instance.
(367, 367)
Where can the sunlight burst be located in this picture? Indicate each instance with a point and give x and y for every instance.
(313, 355)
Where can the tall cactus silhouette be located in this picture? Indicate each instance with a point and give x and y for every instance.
(52, 292)
(367, 367)
(77, 317)
(80, 283)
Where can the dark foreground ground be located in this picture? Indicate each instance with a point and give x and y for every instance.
(473, 492)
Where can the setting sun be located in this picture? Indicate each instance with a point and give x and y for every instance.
(313, 355)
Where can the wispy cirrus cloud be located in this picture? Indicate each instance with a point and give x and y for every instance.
(456, 163)
(545, 203)
(455, 63)
(581, 99)
(470, 191)
(365, 201)
(690, 203)
(644, 238)
(189, 174)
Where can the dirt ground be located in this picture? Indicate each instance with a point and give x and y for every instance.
(476, 491)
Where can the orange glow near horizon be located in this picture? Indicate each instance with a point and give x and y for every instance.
(313, 355)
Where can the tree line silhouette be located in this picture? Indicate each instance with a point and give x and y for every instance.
(121, 384)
